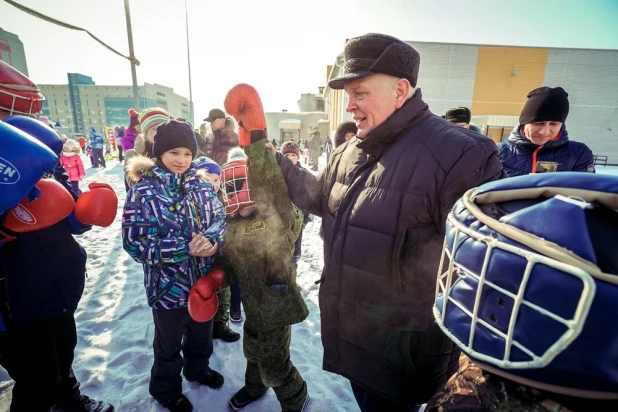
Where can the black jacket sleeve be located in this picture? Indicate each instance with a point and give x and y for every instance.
(305, 189)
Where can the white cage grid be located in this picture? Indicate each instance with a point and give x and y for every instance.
(445, 282)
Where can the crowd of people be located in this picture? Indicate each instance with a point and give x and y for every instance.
(216, 221)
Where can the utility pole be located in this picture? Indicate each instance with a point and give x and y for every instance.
(189, 66)
(132, 56)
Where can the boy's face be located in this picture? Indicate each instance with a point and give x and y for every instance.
(215, 179)
(177, 160)
(292, 157)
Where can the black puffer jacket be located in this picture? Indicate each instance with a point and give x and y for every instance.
(42, 273)
(384, 201)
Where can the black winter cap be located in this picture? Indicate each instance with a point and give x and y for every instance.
(375, 53)
(545, 104)
(173, 134)
(459, 115)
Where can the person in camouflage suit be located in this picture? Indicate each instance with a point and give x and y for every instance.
(258, 249)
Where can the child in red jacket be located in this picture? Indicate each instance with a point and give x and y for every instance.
(72, 163)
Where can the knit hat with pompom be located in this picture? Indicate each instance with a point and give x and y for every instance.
(133, 118)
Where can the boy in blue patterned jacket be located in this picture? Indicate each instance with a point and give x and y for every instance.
(173, 224)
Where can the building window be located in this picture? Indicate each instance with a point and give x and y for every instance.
(160, 94)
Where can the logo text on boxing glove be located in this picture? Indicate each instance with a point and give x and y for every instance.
(23, 215)
(8, 173)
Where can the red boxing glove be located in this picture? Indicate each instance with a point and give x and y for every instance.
(218, 278)
(244, 103)
(98, 206)
(54, 204)
(203, 302)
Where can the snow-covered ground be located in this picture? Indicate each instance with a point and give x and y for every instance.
(115, 330)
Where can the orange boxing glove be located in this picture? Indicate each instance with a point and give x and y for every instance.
(244, 103)
(203, 302)
(98, 206)
(218, 278)
(54, 204)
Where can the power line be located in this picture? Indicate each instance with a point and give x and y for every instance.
(69, 26)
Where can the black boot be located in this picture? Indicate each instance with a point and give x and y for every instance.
(242, 399)
(222, 331)
(82, 403)
(213, 379)
(235, 314)
(180, 404)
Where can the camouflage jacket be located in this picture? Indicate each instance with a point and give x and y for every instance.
(258, 248)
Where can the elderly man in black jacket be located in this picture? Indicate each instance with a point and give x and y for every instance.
(384, 197)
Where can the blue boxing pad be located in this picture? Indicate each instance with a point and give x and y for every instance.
(23, 161)
(38, 130)
(557, 221)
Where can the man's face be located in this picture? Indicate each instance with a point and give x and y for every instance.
(540, 133)
(372, 100)
(293, 157)
(217, 124)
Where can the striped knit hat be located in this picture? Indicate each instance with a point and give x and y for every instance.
(153, 117)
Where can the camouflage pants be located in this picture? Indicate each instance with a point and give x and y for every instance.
(228, 296)
(223, 311)
(269, 365)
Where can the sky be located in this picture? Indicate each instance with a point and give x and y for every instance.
(281, 47)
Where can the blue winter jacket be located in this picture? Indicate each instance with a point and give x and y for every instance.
(96, 140)
(517, 154)
(160, 213)
(43, 271)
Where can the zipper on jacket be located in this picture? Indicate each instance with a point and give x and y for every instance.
(401, 261)
(534, 158)
(538, 149)
(190, 225)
